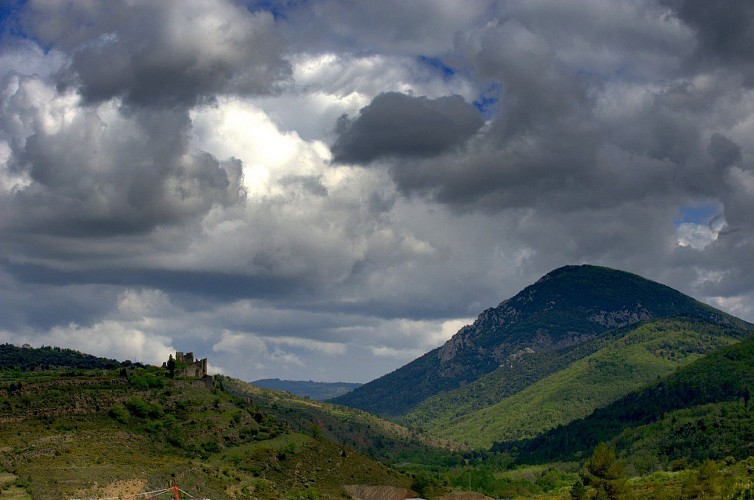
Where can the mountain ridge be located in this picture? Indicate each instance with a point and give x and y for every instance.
(319, 391)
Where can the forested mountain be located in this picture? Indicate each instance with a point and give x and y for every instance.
(701, 411)
(319, 391)
(626, 360)
(567, 308)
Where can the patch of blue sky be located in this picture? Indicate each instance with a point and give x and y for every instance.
(278, 8)
(488, 100)
(446, 71)
(9, 22)
(698, 213)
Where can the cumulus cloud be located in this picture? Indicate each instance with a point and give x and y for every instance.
(423, 27)
(161, 53)
(121, 177)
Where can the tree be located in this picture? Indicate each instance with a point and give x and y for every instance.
(605, 473)
(171, 366)
(578, 490)
(705, 483)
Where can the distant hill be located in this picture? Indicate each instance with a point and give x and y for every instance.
(547, 323)
(319, 391)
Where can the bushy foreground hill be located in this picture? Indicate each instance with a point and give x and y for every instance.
(86, 433)
(567, 307)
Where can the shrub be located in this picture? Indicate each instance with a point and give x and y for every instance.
(141, 409)
(119, 413)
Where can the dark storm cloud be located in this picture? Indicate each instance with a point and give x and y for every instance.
(32, 306)
(161, 53)
(725, 32)
(553, 146)
(400, 125)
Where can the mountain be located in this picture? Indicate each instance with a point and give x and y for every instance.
(319, 391)
(565, 309)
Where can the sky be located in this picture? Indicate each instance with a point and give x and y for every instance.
(325, 190)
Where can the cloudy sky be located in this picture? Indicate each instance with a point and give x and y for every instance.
(326, 189)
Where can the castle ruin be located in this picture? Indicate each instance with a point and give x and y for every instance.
(188, 367)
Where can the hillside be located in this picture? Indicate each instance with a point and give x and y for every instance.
(701, 411)
(351, 427)
(319, 391)
(567, 307)
(639, 355)
(107, 432)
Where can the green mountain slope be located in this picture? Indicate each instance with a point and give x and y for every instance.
(508, 379)
(567, 307)
(103, 433)
(701, 411)
(643, 354)
(320, 391)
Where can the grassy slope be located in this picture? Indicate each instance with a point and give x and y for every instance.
(507, 380)
(78, 434)
(645, 354)
(701, 411)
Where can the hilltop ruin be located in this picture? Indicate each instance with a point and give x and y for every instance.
(187, 366)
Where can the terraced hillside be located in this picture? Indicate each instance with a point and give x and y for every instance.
(91, 433)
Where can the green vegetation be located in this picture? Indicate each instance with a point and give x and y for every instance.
(350, 427)
(702, 411)
(604, 473)
(106, 432)
(642, 355)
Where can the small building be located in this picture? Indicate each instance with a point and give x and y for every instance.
(187, 366)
